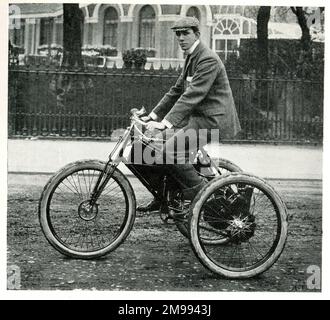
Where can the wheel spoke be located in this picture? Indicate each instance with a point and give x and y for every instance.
(74, 184)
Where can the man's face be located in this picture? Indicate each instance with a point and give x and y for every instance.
(186, 38)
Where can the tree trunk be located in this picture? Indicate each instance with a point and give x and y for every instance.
(262, 36)
(72, 19)
(302, 21)
(67, 87)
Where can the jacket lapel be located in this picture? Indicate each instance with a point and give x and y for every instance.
(190, 58)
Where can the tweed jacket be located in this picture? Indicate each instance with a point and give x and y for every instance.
(202, 90)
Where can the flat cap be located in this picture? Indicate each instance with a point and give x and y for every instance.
(185, 23)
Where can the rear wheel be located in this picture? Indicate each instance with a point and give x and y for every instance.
(78, 229)
(249, 213)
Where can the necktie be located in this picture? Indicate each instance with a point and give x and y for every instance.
(186, 63)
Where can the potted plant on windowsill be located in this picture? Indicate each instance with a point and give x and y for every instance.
(136, 57)
(51, 53)
(108, 51)
(150, 52)
(90, 50)
(16, 50)
(16, 53)
(99, 50)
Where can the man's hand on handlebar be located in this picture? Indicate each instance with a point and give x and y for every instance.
(152, 125)
(146, 118)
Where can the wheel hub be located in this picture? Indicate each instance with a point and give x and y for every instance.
(238, 223)
(87, 211)
(241, 228)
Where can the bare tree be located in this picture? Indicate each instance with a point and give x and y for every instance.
(262, 36)
(281, 14)
(72, 20)
(67, 87)
(302, 21)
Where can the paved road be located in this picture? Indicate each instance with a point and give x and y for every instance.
(156, 257)
(269, 161)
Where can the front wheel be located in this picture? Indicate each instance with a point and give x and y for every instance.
(78, 229)
(250, 214)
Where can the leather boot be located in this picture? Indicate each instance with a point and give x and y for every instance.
(188, 194)
(153, 205)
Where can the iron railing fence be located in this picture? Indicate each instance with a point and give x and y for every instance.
(95, 102)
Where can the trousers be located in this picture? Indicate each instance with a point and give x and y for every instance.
(171, 153)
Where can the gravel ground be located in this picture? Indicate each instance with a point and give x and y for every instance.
(155, 256)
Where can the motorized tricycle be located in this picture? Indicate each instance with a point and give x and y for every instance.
(236, 224)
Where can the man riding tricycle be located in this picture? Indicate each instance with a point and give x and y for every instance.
(236, 222)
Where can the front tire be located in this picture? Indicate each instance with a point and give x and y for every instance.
(74, 227)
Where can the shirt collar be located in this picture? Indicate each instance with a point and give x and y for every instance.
(193, 47)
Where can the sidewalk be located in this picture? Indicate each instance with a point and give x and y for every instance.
(267, 161)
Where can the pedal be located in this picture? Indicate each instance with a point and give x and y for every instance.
(176, 214)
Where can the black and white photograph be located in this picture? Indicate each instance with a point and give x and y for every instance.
(166, 148)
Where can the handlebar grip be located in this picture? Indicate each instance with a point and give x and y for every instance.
(138, 112)
(138, 120)
(134, 111)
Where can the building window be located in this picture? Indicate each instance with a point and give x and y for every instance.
(82, 26)
(226, 37)
(246, 27)
(227, 26)
(18, 34)
(147, 19)
(59, 30)
(110, 27)
(194, 12)
(46, 31)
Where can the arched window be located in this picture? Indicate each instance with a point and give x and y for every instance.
(227, 26)
(147, 19)
(110, 27)
(226, 36)
(194, 12)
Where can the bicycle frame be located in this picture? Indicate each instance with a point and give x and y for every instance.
(119, 155)
(115, 158)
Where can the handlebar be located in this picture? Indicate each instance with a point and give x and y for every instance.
(136, 113)
(135, 117)
(138, 120)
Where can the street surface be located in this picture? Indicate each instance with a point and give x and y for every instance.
(155, 256)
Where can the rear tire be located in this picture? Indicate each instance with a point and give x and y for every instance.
(254, 218)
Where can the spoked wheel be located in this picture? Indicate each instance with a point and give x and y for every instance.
(249, 213)
(78, 229)
(224, 167)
